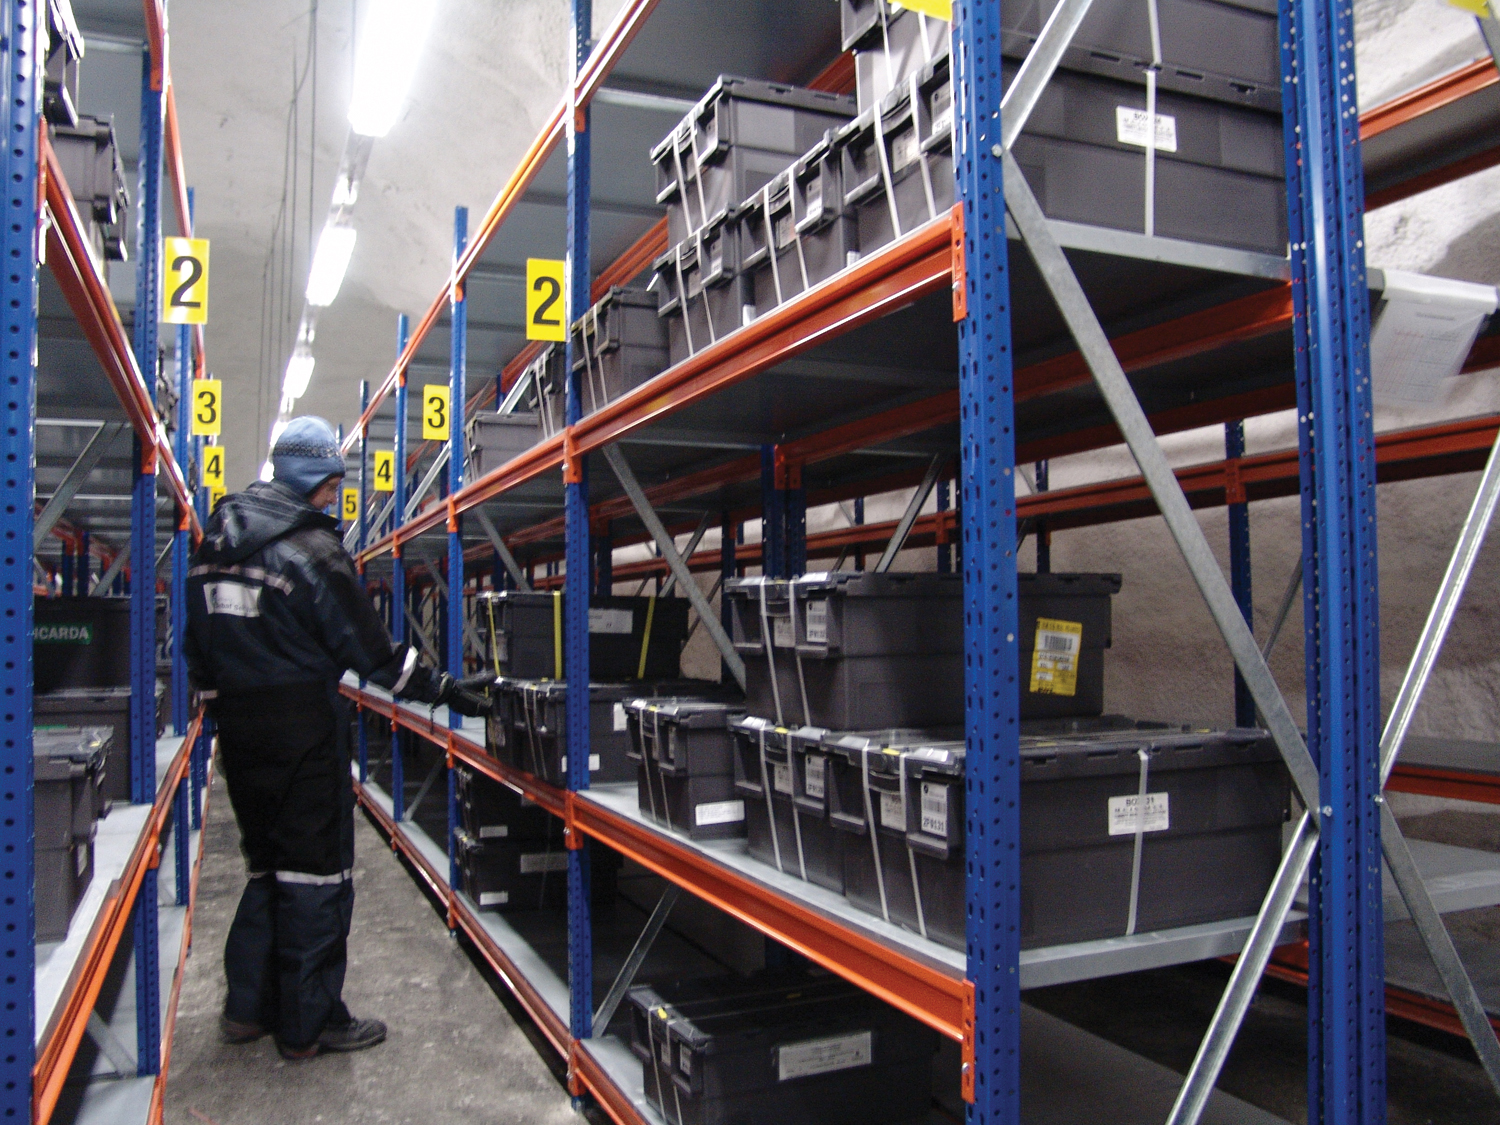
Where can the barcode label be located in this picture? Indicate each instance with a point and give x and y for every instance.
(935, 808)
(814, 200)
(904, 150)
(782, 635)
(942, 110)
(823, 1056)
(781, 777)
(817, 622)
(538, 862)
(718, 812)
(611, 621)
(814, 769)
(893, 811)
(494, 831)
(1131, 129)
(619, 718)
(1054, 659)
(1128, 815)
(784, 230)
(493, 898)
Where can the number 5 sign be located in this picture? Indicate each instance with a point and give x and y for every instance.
(544, 300)
(208, 408)
(184, 281)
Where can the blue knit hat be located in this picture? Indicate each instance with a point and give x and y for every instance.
(307, 454)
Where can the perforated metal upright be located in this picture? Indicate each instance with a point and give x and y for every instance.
(576, 601)
(398, 568)
(457, 378)
(362, 541)
(20, 50)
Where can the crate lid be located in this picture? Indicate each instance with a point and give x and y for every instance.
(755, 727)
(85, 746)
(773, 93)
(69, 699)
(884, 748)
(1068, 585)
(937, 758)
(705, 714)
(866, 583)
(1104, 753)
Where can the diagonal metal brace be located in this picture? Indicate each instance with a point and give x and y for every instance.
(516, 573)
(909, 517)
(1110, 378)
(114, 570)
(637, 957)
(632, 487)
(74, 479)
(687, 553)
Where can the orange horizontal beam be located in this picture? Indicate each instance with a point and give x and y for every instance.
(1443, 91)
(1457, 785)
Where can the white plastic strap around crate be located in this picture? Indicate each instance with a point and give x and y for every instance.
(1140, 840)
(765, 786)
(766, 643)
(1151, 72)
(797, 654)
(926, 168)
(770, 226)
(873, 829)
(911, 855)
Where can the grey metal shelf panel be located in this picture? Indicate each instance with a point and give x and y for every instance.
(1464, 755)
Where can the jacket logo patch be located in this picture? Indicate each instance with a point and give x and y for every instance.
(232, 598)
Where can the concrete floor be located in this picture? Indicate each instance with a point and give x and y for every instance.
(455, 1055)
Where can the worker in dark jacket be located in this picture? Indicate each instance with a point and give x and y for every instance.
(276, 616)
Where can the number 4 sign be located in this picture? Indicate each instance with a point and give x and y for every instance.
(544, 300)
(213, 466)
(385, 470)
(208, 408)
(184, 281)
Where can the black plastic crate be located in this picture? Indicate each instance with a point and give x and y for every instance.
(81, 643)
(63, 876)
(890, 44)
(811, 777)
(69, 764)
(802, 213)
(852, 650)
(741, 133)
(699, 290)
(528, 874)
(488, 810)
(90, 161)
(684, 765)
(618, 344)
(547, 394)
(523, 631)
(101, 707)
(497, 439)
(1065, 626)
(840, 1058)
(779, 831)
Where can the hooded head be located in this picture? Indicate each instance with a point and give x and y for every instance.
(306, 454)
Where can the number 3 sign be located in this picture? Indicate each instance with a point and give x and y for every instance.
(207, 408)
(184, 280)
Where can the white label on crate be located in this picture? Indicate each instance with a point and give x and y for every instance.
(492, 831)
(619, 717)
(782, 635)
(82, 861)
(493, 898)
(611, 621)
(814, 202)
(942, 110)
(504, 647)
(781, 777)
(538, 862)
(784, 230)
(904, 149)
(1126, 814)
(817, 622)
(684, 1061)
(232, 598)
(593, 763)
(893, 811)
(823, 1056)
(1131, 129)
(718, 812)
(935, 808)
(813, 769)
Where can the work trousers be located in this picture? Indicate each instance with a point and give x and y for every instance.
(285, 757)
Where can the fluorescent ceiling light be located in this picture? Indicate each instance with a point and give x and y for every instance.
(386, 62)
(299, 371)
(330, 261)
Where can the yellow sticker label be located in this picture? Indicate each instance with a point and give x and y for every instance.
(213, 466)
(184, 281)
(385, 470)
(1474, 7)
(351, 504)
(940, 9)
(207, 408)
(1054, 663)
(435, 412)
(214, 496)
(545, 303)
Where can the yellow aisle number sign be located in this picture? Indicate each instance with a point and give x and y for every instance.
(351, 504)
(435, 412)
(213, 466)
(184, 281)
(544, 300)
(214, 496)
(385, 470)
(207, 408)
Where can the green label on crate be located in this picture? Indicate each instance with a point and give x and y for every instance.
(78, 634)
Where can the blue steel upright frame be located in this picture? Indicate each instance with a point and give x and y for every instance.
(398, 568)
(143, 566)
(988, 457)
(457, 377)
(1237, 512)
(21, 51)
(576, 599)
(1336, 441)
(362, 541)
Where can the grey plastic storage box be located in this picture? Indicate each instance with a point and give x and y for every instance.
(839, 1057)
(685, 765)
(91, 165)
(506, 875)
(488, 810)
(63, 876)
(67, 800)
(869, 649)
(523, 631)
(890, 44)
(103, 707)
(618, 344)
(699, 291)
(741, 133)
(786, 822)
(547, 394)
(801, 211)
(496, 439)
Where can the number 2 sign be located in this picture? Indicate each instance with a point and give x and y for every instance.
(544, 300)
(184, 281)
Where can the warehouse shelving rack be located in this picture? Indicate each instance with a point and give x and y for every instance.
(57, 994)
(1313, 306)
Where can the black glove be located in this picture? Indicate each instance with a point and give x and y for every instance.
(480, 682)
(458, 698)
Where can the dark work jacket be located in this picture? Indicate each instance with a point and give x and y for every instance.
(273, 599)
